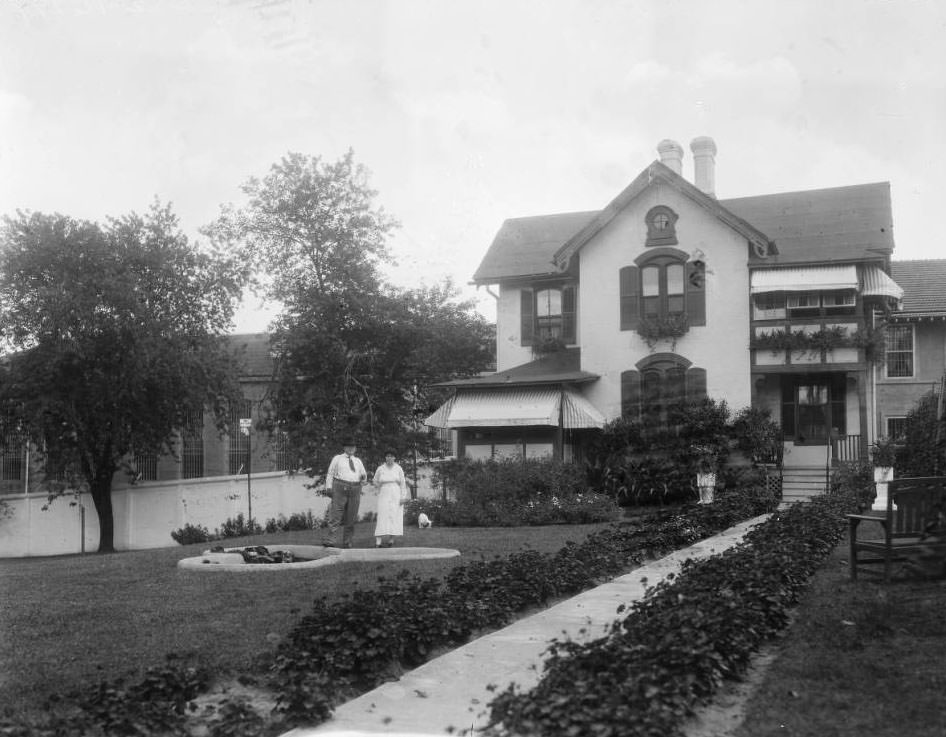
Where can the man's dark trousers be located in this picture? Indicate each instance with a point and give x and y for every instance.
(346, 496)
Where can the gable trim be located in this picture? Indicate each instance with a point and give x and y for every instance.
(658, 172)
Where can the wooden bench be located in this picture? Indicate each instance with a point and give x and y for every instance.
(914, 525)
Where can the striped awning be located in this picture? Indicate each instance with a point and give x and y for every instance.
(545, 406)
(804, 279)
(876, 283)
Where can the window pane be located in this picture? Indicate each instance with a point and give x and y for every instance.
(675, 279)
(900, 351)
(900, 338)
(548, 302)
(650, 281)
(812, 395)
(675, 304)
(651, 306)
(896, 427)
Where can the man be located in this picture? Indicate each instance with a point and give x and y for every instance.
(345, 475)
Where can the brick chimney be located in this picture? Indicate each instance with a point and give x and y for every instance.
(704, 164)
(671, 155)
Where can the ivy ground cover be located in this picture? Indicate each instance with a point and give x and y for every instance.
(678, 645)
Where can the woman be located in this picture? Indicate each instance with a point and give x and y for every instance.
(392, 493)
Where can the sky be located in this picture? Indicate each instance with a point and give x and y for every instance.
(467, 112)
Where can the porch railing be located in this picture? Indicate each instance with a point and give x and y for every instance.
(846, 448)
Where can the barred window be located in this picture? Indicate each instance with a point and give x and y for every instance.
(12, 462)
(896, 428)
(239, 453)
(899, 351)
(146, 466)
(282, 451)
(192, 445)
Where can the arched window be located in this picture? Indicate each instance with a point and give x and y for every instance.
(661, 226)
(663, 285)
(658, 385)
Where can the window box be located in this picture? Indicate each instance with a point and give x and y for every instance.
(663, 327)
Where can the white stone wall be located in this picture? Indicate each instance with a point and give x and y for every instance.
(146, 514)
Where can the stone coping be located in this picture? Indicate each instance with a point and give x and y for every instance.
(313, 556)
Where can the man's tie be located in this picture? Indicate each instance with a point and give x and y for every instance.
(351, 463)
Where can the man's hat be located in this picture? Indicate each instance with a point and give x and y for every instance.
(348, 440)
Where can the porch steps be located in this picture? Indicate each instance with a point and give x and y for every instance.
(800, 483)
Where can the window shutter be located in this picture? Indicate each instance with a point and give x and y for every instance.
(630, 298)
(696, 293)
(569, 314)
(631, 395)
(526, 317)
(696, 384)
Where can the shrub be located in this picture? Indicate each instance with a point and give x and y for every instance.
(855, 480)
(542, 509)
(296, 521)
(238, 526)
(920, 454)
(512, 478)
(641, 465)
(191, 534)
(757, 435)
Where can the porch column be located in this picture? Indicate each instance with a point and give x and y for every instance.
(860, 376)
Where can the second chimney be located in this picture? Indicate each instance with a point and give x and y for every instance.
(704, 164)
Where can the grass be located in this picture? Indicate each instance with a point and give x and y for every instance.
(860, 658)
(68, 622)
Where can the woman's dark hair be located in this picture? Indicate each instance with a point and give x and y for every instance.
(389, 452)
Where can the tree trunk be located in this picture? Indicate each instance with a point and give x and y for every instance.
(101, 489)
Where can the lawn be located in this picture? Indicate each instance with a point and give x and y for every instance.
(860, 658)
(70, 621)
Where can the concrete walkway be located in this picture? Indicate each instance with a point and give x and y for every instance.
(451, 691)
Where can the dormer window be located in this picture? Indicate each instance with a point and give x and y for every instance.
(661, 226)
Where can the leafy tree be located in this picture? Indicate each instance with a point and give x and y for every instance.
(114, 336)
(355, 355)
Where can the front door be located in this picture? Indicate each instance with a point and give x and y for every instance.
(813, 412)
(813, 407)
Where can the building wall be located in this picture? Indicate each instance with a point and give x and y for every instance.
(721, 346)
(897, 396)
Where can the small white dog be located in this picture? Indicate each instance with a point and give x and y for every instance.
(424, 521)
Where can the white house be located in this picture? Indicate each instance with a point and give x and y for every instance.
(669, 293)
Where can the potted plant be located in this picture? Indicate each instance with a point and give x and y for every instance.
(705, 473)
(883, 455)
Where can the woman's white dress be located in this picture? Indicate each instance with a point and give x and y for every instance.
(392, 486)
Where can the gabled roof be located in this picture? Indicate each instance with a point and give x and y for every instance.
(851, 223)
(525, 246)
(924, 293)
(560, 367)
(651, 176)
(838, 224)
